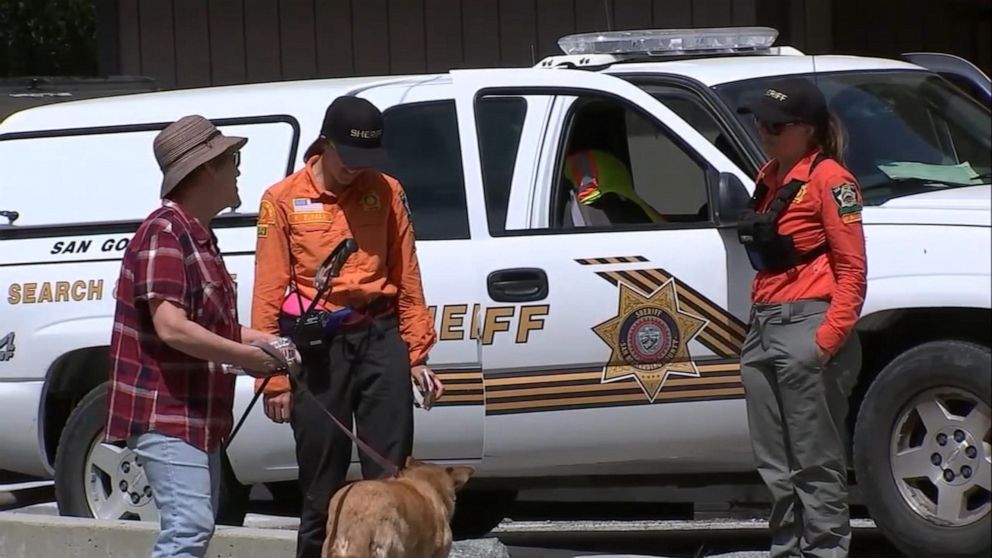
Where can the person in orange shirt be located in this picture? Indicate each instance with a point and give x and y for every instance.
(800, 360)
(378, 327)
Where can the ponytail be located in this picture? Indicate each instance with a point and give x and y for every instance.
(831, 140)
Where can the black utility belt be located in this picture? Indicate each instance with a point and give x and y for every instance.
(314, 330)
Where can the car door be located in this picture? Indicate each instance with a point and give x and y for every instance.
(423, 153)
(605, 340)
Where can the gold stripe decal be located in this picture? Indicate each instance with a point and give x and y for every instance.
(611, 260)
(528, 392)
(622, 400)
(461, 388)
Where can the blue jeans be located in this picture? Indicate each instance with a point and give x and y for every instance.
(185, 485)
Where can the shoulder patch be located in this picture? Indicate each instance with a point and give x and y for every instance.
(847, 199)
(266, 213)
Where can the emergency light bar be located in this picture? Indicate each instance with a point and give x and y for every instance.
(661, 42)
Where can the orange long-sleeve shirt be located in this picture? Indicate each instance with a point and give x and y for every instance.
(826, 210)
(298, 214)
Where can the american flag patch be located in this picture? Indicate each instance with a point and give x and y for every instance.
(303, 205)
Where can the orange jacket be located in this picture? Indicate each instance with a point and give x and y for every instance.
(826, 210)
(373, 210)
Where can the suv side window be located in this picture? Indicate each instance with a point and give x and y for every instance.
(690, 108)
(646, 176)
(425, 155)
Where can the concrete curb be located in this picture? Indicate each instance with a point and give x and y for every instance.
(28, 536)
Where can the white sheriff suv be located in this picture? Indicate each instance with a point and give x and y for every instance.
(553, 380)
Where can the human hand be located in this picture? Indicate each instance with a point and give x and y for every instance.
(284, 352)
(260, 364)
(821, 355)
(278, 406)
(248, 335)
(429, 385)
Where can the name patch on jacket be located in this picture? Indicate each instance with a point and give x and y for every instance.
(309, 217)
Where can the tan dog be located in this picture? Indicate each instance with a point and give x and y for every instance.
(404, 517)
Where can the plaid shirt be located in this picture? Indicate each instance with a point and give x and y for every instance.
(155, 387)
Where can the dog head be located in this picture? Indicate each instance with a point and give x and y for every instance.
(445, 481)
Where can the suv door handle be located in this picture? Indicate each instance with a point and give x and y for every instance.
(517, 285)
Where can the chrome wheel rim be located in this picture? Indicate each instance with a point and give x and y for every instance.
(941, 456)
(116, 484)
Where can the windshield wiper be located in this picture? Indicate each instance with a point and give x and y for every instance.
(942, 183)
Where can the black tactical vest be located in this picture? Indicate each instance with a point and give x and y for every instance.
(758, 231)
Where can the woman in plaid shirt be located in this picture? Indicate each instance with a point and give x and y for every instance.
(175, 328)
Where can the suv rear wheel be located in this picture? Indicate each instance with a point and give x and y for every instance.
(107, 481)
(923, 453)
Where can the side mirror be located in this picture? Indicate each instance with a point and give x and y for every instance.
(11, 216)
(731, 197)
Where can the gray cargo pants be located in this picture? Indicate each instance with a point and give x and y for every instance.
(796, 408)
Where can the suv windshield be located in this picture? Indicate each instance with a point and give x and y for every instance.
(906, 132)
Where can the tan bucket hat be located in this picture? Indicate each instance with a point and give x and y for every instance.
(186, 144)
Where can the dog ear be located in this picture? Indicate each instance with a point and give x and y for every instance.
(460, 474)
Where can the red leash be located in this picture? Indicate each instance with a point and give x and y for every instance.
(386, 464)
(328, 269)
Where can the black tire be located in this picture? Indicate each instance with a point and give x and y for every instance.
(477, 512)
(86, 422)
(940, 364)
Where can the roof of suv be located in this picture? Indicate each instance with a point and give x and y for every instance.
(716, 71)
(269, 98)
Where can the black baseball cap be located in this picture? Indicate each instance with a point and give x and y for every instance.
(789, 100)
(354, 127)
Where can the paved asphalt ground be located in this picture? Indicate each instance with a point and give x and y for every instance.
(531, 535)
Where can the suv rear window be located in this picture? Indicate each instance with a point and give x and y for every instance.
(99, 175)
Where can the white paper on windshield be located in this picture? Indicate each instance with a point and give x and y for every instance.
(954, 174)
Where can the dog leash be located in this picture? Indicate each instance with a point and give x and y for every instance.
(386, 464)
(244, 415)
(328, 269)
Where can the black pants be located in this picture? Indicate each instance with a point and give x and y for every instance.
(366, 373)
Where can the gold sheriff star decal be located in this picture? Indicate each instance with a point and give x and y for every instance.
(650, 338)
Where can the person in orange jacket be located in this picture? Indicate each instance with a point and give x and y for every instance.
(801, 357)
(382, 329)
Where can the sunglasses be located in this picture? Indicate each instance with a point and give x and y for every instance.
(237, 159)
(777, 127)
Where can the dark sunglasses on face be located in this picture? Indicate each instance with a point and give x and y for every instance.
(237, 159)
(775, 128)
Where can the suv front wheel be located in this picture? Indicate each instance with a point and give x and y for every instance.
(922, 450)
(107, 481)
